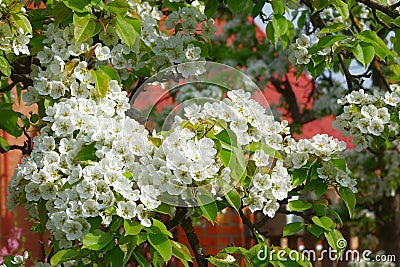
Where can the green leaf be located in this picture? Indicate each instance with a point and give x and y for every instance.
(140, 259)
(4, 146)
(5, 67)
(102, 80)
(317, 185)
(208, 207)
(236, 6)
(158, 228)
(9, 122)
(315, 230)
(349, 199)
(364, 53)
(97, 239)
(324, 222)
(61, 14)
(162, 245)
(276, 28)
(227, 136)
(336, 241)
(132, 228)
(278, 7)
(116, 257)
(326, 41)
(164, 209)
(23, 22)
(256, 8)
(181, 252)
(221, 261)
(127, 29)
(335, 27)
(87, 153)
(233, 199)
(117, 6)
(298, 177)
(340, 164)
(67, 255)
(111, 73)
(211, 8)
(342, 7)
(78, 5)
(320, 4)
(298, 205)
(372, 38)
(84, 26)
(292, 228)
(335, 214)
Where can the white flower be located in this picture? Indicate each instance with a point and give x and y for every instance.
(303, 41)
(72, 230)
(302, 56)
(20, 44)
(369, 111)
(102, 52)
(172, 20)
(126, 210)
(192, 52)
(20, 260)
(270, 208)
(261, 158)
(376, 127)
(299, 159)
(143, 216)
(254, 201)
(262, 182)
(32, 192)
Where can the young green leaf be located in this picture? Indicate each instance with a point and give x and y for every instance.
(97, 239)
(4, 146)
(364, 53)
(67, 255)
(132, 228)
(299, 205)
(349, 199)
(127, 29)
(84, 26)
(292, 228)
(162, 245)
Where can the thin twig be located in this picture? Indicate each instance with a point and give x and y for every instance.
(347, 74)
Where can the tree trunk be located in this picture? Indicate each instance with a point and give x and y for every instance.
(389, 228)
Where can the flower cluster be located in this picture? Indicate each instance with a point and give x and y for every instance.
(14, 36)
(324, 148)
(299, 51)
(366, 116)
(183, 44)
(78, 167)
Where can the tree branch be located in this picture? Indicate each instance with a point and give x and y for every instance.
(194, 242)
(388, 10)
(347, 74)
(178, 218)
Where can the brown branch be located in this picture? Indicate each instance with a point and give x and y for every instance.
(347, 74)
(285, 88)
(178, 218)
(388, 10)
(194, 242)
(8, 87)
(380, 21)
